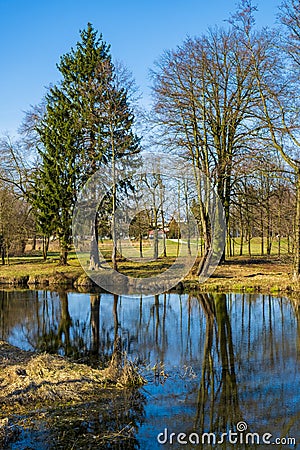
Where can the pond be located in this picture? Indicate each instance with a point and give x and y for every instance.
(214, 363)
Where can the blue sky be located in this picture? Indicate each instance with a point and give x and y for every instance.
(34, 34)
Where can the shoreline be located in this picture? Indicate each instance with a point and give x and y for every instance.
(239, 274)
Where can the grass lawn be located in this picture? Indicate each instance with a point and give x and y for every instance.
(255, 274)
(255, 247)
(239, 273)
(36, 266)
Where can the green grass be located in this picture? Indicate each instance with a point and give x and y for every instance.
(130, 249)
(26, 266)
(256, 247)
(239, 273)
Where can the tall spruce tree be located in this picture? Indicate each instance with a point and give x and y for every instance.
(56, 181)
(88, 122)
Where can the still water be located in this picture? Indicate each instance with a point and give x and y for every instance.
(214, 362)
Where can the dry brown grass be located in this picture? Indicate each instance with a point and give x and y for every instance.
(245, 274)
(27, 378)
(122, 372)
(53, 392)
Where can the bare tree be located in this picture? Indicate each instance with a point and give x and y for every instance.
(205, 97)
(276, 70)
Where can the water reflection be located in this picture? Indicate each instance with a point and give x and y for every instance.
(211, 360)
(218, 392)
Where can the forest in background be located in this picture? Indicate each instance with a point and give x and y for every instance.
(226, 101)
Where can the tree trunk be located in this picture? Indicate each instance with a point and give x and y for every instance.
(113, 224)
(7, 254)
(178, 226)
(117, 345)
(188, 222)
(296, 271)
(161, 192)
(269, 242)
(114, 204)
(205, 253)
(2, 249)
(226, 203)
(95, 323)
(141, 245)
(46, 240)
(206, 232)
(155, 234)
(242, 240)
(33, 247)
(262, 231)
(229, 249)
(65, 323)
(164, 236)
(94, 250)
(63, 256)
(23, 243)
(120, 246)
(155, 238)
(200, 238)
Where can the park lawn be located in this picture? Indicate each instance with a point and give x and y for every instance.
(140, 269)
(255, 246)
(245, 274)
(130, 249)
(29, 266)
(239, 273)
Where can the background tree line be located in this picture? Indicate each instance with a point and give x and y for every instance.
(226, 101)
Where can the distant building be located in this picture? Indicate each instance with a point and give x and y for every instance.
(160, 234)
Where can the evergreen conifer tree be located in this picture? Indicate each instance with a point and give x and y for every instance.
(88, 122)
(55, 184)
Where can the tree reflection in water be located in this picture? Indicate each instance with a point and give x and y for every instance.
(95, 323)
(218, 394)
(297, 315)
(56, 327)
(229, 357)
(111, 421)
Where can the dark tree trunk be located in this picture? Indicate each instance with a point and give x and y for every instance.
(2, 249)
(94, 250)
(23, 246)
(95, 322)
(262, 231)
(46, 240)
(242, 241)
(164, 236)
(297, 231)
(63, 256)
(205, 226)
(141, 245)
(33, 247)
(65, 322)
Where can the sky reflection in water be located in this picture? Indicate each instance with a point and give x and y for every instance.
(210, 360)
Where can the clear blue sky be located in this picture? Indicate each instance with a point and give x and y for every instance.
(34, 34)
